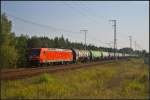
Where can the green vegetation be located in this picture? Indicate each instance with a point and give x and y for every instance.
(120, 79)
(8, 53)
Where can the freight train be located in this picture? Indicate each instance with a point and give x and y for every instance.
(44, 56)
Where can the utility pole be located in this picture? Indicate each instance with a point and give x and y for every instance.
(85, 31)
(135, 44)
(115, 40)
(130, 38)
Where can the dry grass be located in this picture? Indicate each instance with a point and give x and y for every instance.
(125, 79)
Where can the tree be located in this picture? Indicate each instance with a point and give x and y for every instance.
(62, 42)
(56, 42)
(8, 53)
(126, 50)
(21, 45)
(34, 42)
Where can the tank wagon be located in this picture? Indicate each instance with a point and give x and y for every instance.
(96, 55)
(105, 55)
(80, 55)
(111, 55)
(119, 55)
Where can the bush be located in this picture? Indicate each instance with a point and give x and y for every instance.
(8, 57)
(46, 78)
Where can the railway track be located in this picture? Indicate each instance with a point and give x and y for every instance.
(27, 72)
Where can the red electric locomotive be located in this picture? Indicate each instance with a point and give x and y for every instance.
(50, 55)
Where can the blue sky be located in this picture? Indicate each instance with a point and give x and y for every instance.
(69, 17)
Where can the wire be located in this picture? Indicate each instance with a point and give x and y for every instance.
(41, 25)
(85, 7)
(79, 11)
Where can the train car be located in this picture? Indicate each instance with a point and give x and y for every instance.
(123, 55)
(105, 55)
(133, 55)
(80, 55)
(126, 55)
(50, 55)
(95, 55)
(111, 55)
(119, 55)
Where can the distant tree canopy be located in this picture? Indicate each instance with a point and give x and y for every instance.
(126, 50)
(13, 49)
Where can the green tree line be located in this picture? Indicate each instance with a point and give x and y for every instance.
(14, 49)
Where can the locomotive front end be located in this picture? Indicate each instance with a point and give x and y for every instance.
(34, 56)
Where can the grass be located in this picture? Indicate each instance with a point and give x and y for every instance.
(121, 79)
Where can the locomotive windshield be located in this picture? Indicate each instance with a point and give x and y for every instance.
(35, 52)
